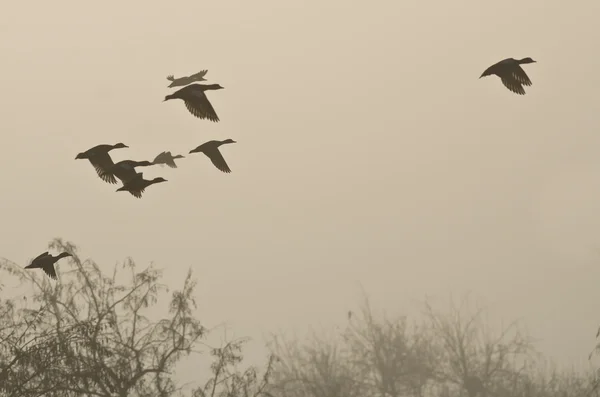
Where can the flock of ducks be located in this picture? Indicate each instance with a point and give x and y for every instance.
(133, 181)
(193, 95)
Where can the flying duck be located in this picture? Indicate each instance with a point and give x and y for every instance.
(125, 170)
(100, 159)
(168, 159)
(196, 101)
(211, 150)
(510, 72)
(138, 184)
(176, 82)
(46, 262)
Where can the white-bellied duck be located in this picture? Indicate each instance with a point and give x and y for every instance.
(46, 262)
(211, 150)
(125, 170)
(100, 159)
(138, 184)
(177, 82)
(196, 101)
(168, 159)
(511, 73)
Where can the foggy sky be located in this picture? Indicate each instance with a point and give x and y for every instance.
(368, 152)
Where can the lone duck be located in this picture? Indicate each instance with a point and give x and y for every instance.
(211, 150)
(176, 82)
(138, 184)
(196, 101)
(510, 72)
(46, 262)
(100, 160)
(125, 170)
(168, 159)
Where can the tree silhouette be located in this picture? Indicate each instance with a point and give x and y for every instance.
(91, 334)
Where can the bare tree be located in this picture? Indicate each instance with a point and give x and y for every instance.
(475, 359)
(318, 368)
(393, 357)
(92, 335)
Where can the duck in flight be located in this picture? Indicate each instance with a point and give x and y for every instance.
(211, 150)
(138, 184)
(177, 82)
(100, 159)
(511, 73)
(125, 170)
(168, 159)
(196, 101)
(46, 262)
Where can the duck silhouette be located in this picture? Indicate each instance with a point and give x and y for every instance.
(168, 159)
(511, 74)
(46, 262)
(177, 82)
(137, 185)
(211, 150)
(196, 101)
(100, 159)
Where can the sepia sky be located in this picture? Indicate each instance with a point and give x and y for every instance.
(369, 154)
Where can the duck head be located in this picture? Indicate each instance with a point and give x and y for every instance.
(80, 156)
(213, 87)
(158, 180)
(526, 60)
(170, 96)
(228, 140)
(120, 146)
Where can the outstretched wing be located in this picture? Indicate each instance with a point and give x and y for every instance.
(519, 75)
(217, 159)
(102, 163)
(512, 84)
(199, 75)
(171, 163)
(200, 107)
(136, 193)
(160, 158)
(49, 270)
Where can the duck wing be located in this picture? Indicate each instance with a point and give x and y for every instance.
(519, 75)
(171, 163)
(512, 84)
(136, 192)
(217, 159)
(199, 75)
(102, 163)
(49, 270)
(160, 158)
(199, 106)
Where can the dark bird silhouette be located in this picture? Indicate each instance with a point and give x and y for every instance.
(196, 101)
(510, 72)
(125, 170)
(177, 82)
(100, 159)
(168, 159)
(46, 262)
(211, 150)
(138, 184)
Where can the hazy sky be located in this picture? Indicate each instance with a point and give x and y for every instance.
(368, 152)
